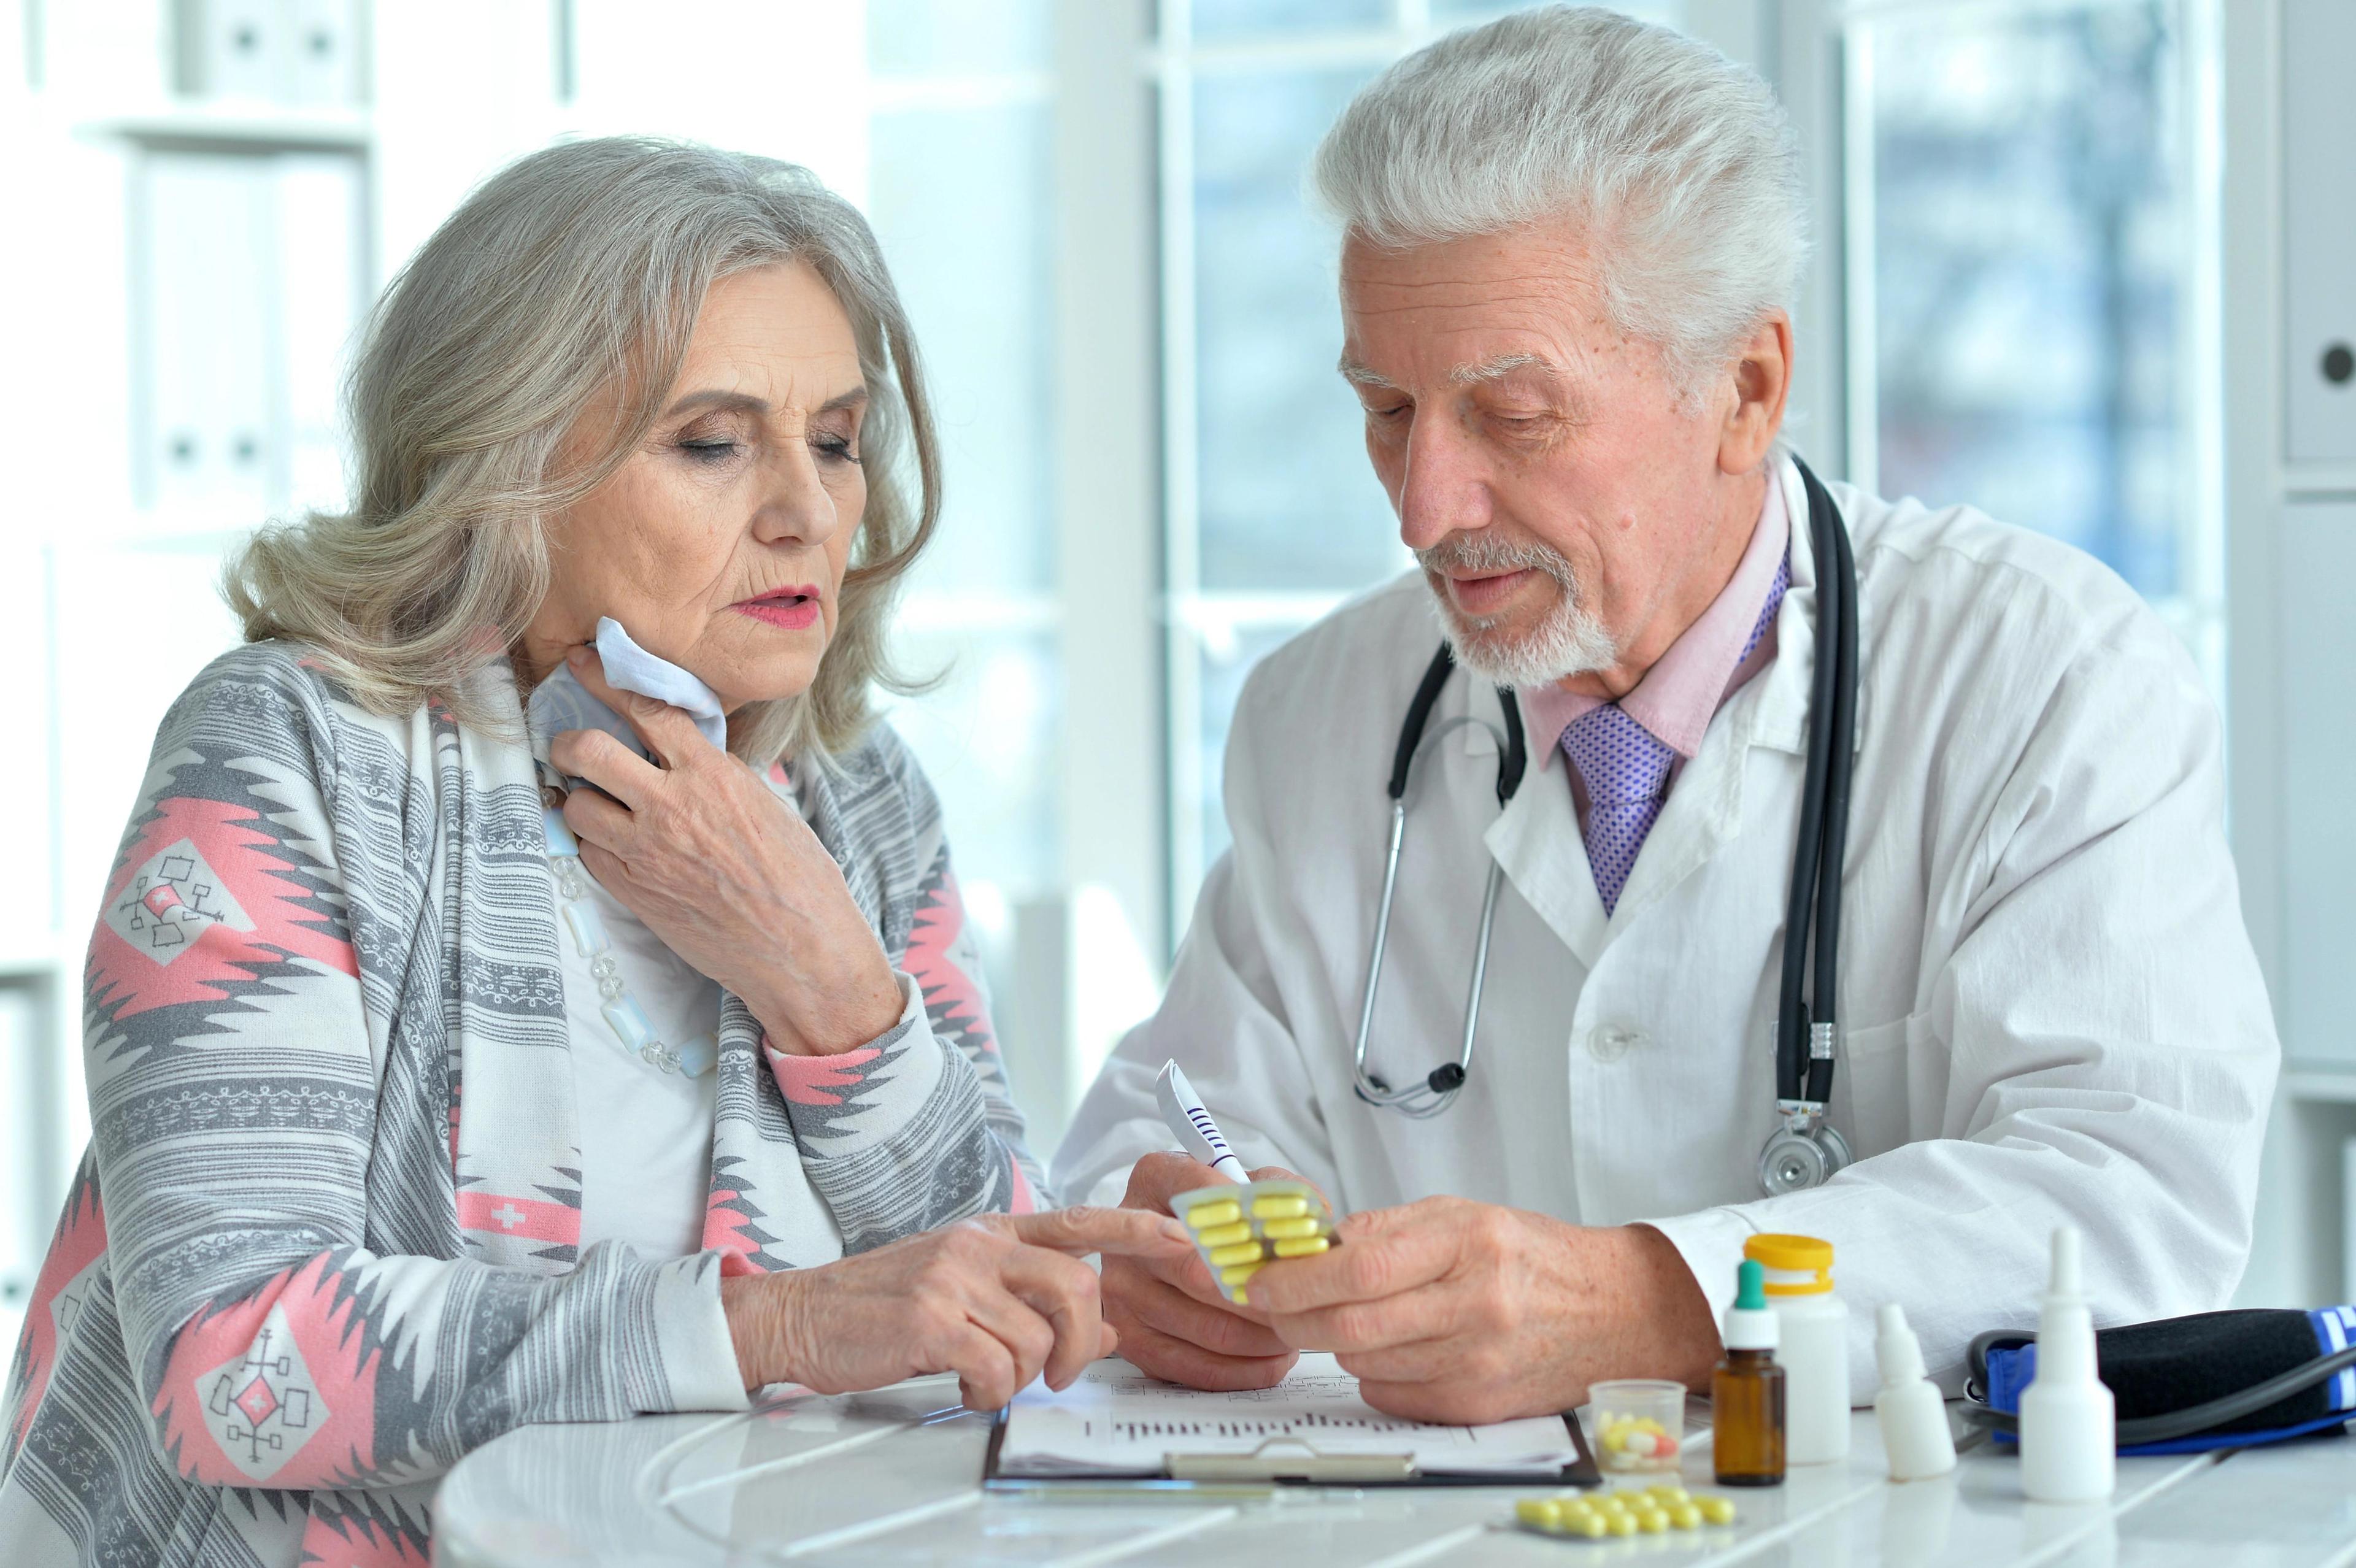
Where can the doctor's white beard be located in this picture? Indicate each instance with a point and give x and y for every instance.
(1569, 640)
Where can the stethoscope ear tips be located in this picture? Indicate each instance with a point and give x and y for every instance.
(1446, 1078)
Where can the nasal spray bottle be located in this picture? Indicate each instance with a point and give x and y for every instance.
(1910, 1409)
(2068, 1425)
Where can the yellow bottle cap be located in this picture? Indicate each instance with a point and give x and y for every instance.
(1794, 1255)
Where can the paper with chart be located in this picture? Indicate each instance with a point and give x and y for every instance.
(1118, 1421)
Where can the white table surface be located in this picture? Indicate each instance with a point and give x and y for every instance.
(893, 1478)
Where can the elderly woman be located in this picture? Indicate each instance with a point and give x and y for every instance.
(425, 1107)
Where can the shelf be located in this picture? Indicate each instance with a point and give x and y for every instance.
(2328, 1083)
(244, 126)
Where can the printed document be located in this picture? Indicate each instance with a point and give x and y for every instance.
(1117, 1421)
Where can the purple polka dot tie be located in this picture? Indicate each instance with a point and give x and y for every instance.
(1625, 770)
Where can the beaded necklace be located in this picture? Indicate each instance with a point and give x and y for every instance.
(632, 1029)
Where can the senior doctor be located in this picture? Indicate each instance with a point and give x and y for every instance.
(1569, 247)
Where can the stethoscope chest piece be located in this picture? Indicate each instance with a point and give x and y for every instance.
(1807, 1153)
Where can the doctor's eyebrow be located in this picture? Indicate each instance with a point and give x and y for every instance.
(1491, 369)
(1501, 367)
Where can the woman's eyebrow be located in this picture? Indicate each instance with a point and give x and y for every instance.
(745, 402)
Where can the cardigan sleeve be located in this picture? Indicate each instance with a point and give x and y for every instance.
(235, 1091)
(917, 1127)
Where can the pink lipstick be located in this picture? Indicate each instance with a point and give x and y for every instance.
(790, 608)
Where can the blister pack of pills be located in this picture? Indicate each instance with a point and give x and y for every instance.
(1652, 1511)
(1239, 1229)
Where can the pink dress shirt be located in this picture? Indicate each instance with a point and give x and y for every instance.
(1688, 684)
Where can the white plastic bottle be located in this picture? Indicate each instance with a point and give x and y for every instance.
(2069, 1451)
(1910, 1409)
(1814, 1350)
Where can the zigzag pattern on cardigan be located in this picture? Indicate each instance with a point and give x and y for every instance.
(325, 1240)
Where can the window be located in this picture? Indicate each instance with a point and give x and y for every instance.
(959, 192)
(2028, 285)
(1273, 517)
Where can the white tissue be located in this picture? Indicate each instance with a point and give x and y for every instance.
(562, 703)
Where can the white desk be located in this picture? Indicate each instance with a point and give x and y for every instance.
(892, 1477)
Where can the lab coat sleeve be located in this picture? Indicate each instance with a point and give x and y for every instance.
(2096, 1048)
(1224, 1018)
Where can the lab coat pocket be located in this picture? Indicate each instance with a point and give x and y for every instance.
(1869, 1086)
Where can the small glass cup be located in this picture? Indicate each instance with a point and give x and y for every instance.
(1639, 1425)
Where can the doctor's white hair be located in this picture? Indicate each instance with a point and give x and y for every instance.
(1675, 163)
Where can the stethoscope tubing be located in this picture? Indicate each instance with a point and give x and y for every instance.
(1805, 1028)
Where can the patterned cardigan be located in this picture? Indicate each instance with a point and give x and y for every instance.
(326, 1237)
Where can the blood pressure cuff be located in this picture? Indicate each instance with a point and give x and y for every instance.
(2157, 1369)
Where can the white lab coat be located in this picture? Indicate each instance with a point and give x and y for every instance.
(2050, 1007)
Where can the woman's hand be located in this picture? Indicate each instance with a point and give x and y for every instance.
(724, 872)
(997, 1299)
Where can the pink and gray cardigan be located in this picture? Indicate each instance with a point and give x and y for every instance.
(325, 1238)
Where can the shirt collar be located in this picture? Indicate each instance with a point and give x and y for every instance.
(1683, 690)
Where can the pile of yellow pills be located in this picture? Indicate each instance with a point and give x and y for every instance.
(1240, 1229)
(1651, 1511)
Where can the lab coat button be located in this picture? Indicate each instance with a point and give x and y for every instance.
(1610, 1042)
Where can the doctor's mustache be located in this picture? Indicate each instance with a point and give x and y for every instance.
(1492, 552)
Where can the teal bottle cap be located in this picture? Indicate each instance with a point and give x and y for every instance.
(1751, 1285)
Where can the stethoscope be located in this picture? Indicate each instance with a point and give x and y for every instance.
(1806, 1150)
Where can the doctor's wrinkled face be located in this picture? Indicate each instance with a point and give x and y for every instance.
(1555, 486)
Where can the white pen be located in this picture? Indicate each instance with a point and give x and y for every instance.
(1181, 1110)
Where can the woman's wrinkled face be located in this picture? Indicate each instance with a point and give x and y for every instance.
(720, 543)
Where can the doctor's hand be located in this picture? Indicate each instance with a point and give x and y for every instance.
(1452, 1311)
(703, 851)
(1172, 1321)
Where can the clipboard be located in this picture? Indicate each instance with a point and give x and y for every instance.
(1284, 1462)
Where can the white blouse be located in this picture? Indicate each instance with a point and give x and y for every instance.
(645, 1135)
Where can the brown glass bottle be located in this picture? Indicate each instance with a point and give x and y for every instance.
(1746, 1396)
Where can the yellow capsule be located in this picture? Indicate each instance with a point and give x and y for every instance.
(1238, 1274)
(1685, 1516)
(1301, 1246)
(1591, 1524)
(1652, 1521)
(1612, 1502)
(1717, 1511)
(1225, 1235)
(1289, 1230)
(1236, 1296)
(1544, 1513)
(1241, 1252)
(1202, 1216)
(1620, 1524)
(1279, 1206)
(1668, 1496)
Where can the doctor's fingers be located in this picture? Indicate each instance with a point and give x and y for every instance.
(1175, 1360)
(1155, 1179)
(1412, 1316)
(1219, 1328)
(1475, 1359)
(1370, 1265)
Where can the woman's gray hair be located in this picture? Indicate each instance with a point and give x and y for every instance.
(1678, 164)
(574, 274)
